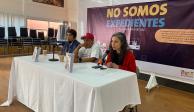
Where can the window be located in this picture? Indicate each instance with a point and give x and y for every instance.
(42, 26)
(54, 25)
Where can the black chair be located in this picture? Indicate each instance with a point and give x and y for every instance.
(12, 35)
(35, 41)
(13, 39)
(26, 41)
(51, 38)
(130, 108)
(50, 32)
(43, 41)
(41, 35)
(2, 32)
(12, 32)
(24, 32)
(33, 33)
(3, 41)
(56, 31)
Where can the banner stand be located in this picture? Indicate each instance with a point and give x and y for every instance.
(152, 82)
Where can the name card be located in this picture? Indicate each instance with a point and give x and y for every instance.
(69, 59)
(36, 53)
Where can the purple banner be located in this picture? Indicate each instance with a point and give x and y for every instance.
(158, 32)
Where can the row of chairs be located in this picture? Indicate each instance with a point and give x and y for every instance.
(24, 39)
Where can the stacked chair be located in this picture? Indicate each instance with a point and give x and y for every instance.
(3, 41)
(26, 40)
(44, 42)
(13, 40)
(56, 31)
(29, 38)
(51, 38)
(35, 40)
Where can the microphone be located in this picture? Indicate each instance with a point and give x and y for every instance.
(104, 56)
(101, 61)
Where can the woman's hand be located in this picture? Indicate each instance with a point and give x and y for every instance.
(115, 66)
(109, 64)
(112, 65)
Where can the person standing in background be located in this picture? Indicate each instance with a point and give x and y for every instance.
(61, 34)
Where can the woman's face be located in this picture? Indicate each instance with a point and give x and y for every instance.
(116, 43)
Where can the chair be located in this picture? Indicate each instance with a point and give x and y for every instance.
(33, 33)
(56, 31)
(26, 41)
(12, 35)
(3, 41)
(42, 38)
(130, 108)
(35, 41)
(51, 32)
(51, 38)
(137, 72)
(13, 39)
(41, 35)
(12, 32)
(24, 32)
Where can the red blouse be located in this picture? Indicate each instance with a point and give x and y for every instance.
(128, 62)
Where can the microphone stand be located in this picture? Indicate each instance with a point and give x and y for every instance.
(101, 61)
(54, 59)
(102, 68)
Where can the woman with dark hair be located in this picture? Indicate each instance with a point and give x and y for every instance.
(120, 56)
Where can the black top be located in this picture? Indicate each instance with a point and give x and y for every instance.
(116, 58)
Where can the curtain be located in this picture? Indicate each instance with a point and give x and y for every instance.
(8, 20)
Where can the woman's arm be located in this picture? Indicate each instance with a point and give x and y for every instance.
(129, 63)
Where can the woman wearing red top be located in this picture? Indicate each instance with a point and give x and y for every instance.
(120, 56)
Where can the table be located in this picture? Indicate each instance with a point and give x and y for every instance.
(47, 87)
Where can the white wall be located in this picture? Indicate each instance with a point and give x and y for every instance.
(11, 6)
(34, 10)
(72, 12)
(44, 11)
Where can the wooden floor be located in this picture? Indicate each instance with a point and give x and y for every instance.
(162, 99)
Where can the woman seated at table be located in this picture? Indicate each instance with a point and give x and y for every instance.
(120, 56)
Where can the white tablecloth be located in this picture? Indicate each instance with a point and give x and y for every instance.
(47, 87)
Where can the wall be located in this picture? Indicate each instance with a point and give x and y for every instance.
(44, 11)
(11, 6)
(34, 10)
(72, 12)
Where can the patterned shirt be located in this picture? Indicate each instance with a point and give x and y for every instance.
(70, 47)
